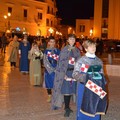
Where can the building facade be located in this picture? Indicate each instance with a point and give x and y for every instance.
(35, 17)
(106, 21)
(84, 28)
(101, 17)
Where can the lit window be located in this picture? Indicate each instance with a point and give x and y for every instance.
(82, 28)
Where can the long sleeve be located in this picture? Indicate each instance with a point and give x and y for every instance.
(77, 74)
(47, 65)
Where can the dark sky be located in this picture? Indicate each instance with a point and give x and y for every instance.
(69, 10)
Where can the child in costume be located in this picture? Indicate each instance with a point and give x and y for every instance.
(91, 92)
(51, 56)
(64, 84)
(35, 55)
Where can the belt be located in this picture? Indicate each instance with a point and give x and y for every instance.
(69, 79)
(53, 61)
(70, 69)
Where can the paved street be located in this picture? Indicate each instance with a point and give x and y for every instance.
(21, 101)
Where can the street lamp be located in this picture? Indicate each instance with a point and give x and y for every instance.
(91, 32)
(51, 31)
(7, 17)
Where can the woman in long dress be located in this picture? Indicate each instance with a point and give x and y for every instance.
(35, 55)
(24, 48)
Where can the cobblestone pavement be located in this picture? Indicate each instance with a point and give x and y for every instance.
(21, 101)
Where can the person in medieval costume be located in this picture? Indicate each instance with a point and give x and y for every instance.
(35, 55)
(91, 90)
(13, 52)
(64, 84)
(24, 48)
(51, 56)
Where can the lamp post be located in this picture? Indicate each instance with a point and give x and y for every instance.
(5, 17)
(91, 32)
(51, 31)
(8, 18)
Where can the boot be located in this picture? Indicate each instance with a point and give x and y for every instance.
(49, 98)
(67, 112)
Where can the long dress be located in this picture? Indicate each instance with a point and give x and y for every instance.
(89, 105)
(51, 56)
(13, 51)
(24, 62)
(35, 68)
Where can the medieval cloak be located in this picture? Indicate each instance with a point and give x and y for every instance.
(57, 97)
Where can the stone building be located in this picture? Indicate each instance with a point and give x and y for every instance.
(35, 17)
(105, 23)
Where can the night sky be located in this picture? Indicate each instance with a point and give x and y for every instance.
(69, 10)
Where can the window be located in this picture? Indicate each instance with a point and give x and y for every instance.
(39, 15)
(51, 23)
(25, 13)
(52, 10)
(48, 10)
(9, 10)
(82, 28)
(47, 22)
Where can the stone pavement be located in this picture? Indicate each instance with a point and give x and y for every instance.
(21, 101)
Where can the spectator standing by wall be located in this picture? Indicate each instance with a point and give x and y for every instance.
(4, 43)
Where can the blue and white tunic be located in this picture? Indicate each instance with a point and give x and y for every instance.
(51, 57)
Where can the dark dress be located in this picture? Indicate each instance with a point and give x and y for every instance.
(24, 62)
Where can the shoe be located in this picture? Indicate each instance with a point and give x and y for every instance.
(71, 111)
(67, 112)
(49, 98)
(12, 67)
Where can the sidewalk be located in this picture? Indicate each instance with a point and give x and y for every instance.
(21, 101)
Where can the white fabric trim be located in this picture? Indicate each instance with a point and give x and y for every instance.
(90, 55)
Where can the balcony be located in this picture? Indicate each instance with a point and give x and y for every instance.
(40, 0)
